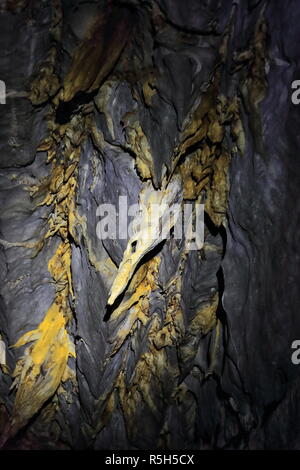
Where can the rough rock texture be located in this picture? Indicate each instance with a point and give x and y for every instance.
(116, 344)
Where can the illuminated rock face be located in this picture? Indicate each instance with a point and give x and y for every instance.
(120, 343)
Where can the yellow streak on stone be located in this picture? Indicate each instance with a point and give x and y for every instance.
(217, 194)
(205, 319)
(40, 370)
(140, 145)
(141, 285)
(60, 266)
(144, 241)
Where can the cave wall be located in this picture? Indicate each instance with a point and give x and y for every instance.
(148, 99)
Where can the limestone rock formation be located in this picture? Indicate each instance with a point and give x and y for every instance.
(122, 343)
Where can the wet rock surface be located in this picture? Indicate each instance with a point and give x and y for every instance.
(179, 349)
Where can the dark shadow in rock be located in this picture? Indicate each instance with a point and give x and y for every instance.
(66, 110)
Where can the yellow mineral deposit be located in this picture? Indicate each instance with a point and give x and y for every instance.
(142, 241)
(44, 363)
(41, 368)
(137, 306)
